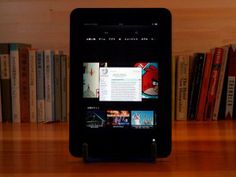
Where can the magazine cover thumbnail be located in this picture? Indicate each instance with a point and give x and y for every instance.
(95, 118)
(118, 118)
(149, 79)
(142, 119)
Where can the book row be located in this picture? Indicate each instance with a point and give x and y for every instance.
(205, 85)
(34, 84)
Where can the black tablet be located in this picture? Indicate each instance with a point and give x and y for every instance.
(120, 83)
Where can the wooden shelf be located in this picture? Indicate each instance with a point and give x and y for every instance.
(199, 149)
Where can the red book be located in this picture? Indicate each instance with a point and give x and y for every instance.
(24, 84)
(214, 77)
(205, 86)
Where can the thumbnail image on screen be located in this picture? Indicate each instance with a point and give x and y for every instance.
(142, 119)
(149, 79)
(118, 118)
(95, 118)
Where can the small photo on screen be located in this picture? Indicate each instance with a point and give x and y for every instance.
(95, 118)
(142, 119)
(149, 79)
(90, 80)
(118, 118)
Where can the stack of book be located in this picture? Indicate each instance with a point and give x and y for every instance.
(33, 84)
(205, 85)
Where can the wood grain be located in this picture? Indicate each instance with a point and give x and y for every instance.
(197, 25)
(199, 149)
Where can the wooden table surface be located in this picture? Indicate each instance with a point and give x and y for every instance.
(199, 149)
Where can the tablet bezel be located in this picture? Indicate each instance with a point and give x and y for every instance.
(115, 14)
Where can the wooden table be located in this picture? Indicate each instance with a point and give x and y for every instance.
(199, 149)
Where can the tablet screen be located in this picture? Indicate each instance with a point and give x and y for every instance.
(120, 75)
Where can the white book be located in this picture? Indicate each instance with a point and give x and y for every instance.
(230, 97)
(49, 85)
(220, 84)
(40, 86)
(182, 85)
(32, 85)
(15, 82)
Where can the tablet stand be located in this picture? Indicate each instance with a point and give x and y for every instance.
(87, 158)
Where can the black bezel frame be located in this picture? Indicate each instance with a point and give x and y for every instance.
(114, 14)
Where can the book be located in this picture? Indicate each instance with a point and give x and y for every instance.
(0, 102)
(57, 85)
(214, 78)
(5, 83)
(231, 87)
(220, 83)
(15, 79)
(49, 85)
(173, 83)
(204, 88)
(24, 84)
(182, 79)
(32, 85)
(196, 82)
(40, 96)
(64, 86)
(68, 87)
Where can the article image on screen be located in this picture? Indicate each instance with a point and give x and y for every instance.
(142, 119)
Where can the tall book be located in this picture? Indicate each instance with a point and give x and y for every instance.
(196, 82)
(32, 85)
(24, 84)
(204, 88)
(220, 83)
(57, 85)
(40, 94)
(68, 87)
(0, 102)
(173, 83)
(5, 83)
(214, 78)
(15, 79)
(231, 87)
(49, 85)
(64, 86)
(182, 69)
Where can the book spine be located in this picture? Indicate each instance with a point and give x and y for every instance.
(173, 82)
(204, 88)
(15, 82)
(5, 84)
(217, 62)
(68, 87)
(57, 90)
(231, 87)
(24, 84)
(220, 84)
(49, 86)
(32, 85)
(221, 115)
(230, 97)
(40, 86)
(64, 86)
(196, 84)
(0, 102)
(182, 87)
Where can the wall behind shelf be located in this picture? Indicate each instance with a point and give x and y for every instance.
(197, 26)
